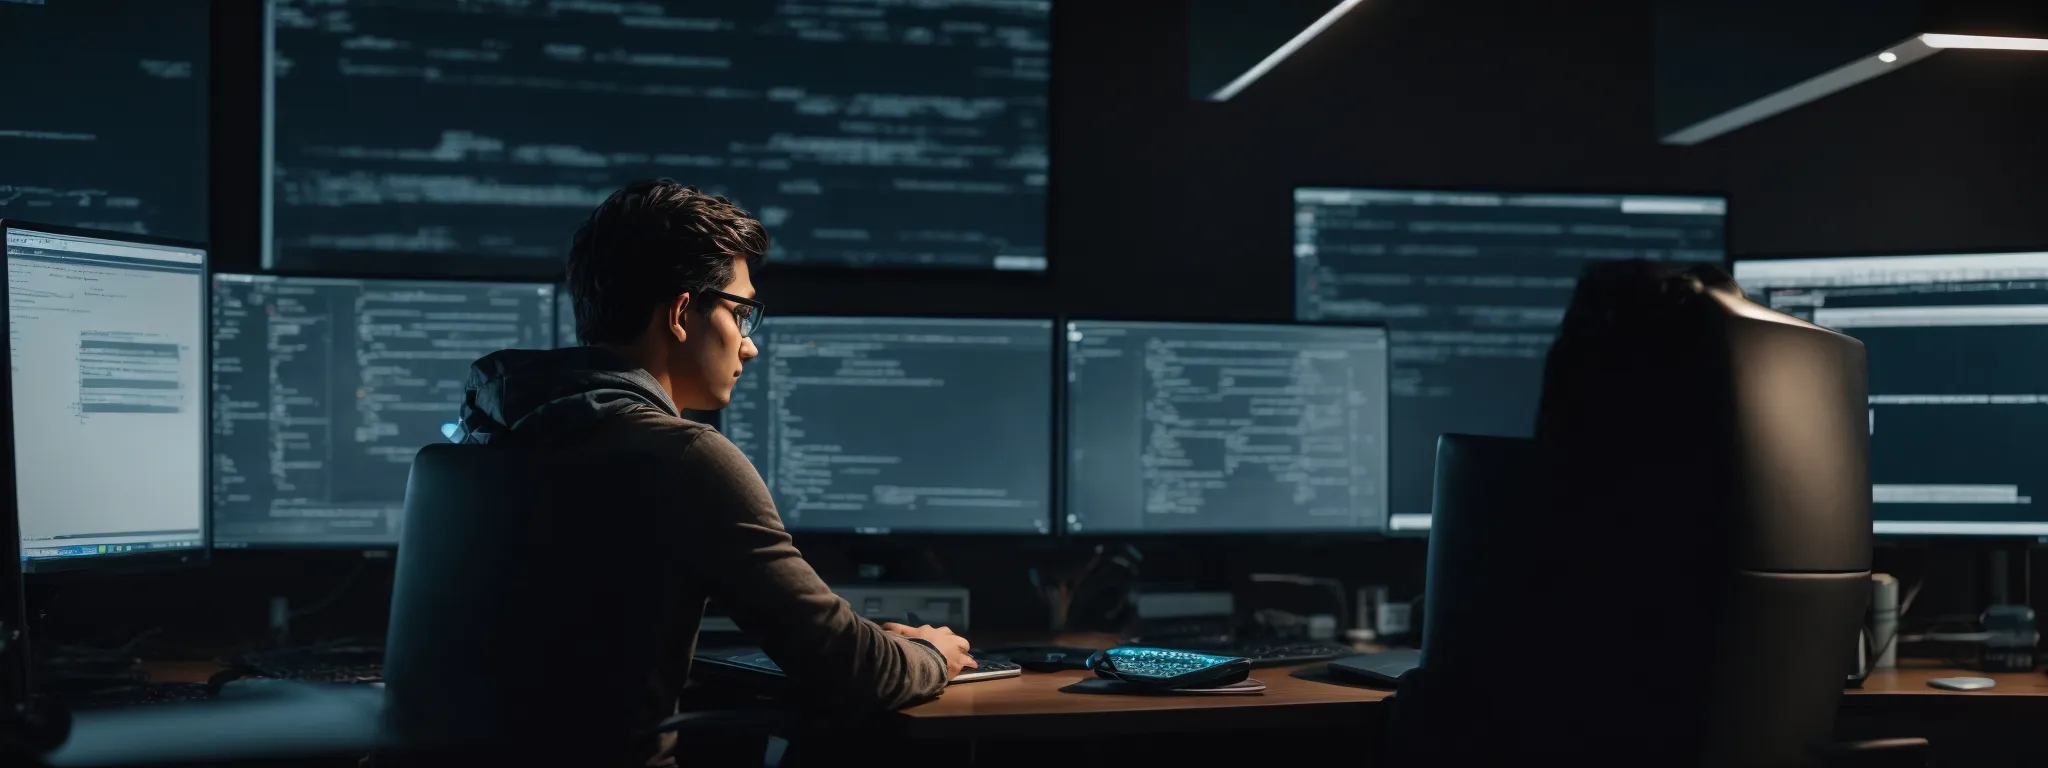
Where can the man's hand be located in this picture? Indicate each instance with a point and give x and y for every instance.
(952, 646)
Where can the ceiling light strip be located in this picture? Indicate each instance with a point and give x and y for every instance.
(1863, 68)
(1285, 50)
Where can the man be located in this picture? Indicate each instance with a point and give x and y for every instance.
(661, 277)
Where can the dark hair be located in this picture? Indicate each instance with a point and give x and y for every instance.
(645, 244)
(1629, 346)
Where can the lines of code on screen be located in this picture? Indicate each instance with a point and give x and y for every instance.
(1957, 407)
(1472, 287)
(861, 133)
(103, 119)
(1180, 427)
(324, 389)
(879, 425)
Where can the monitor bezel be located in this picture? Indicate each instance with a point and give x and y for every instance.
(1054, 478)
(1930, 536)
(368, 550)
(1727, 263)
(66, 569)
(15, 665)
(1063, 411)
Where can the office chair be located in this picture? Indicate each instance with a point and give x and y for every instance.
(1674, 570)
(527, 615)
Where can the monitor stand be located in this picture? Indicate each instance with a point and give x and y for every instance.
(28, 726)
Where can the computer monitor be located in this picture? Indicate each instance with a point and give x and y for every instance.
(902, 135)
(325, 388)
(1472, 285)
(901, 425)
(107, 347)
(105, 121)
(1958, 402)
(1225, 428)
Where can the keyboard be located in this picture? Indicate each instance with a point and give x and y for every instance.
(758, 663)
(989, 670)
(351, 674)
(1282, 654)
(142, 695)
(1037, 658)
(345, 664)
(1152, 668)
(1159, 663)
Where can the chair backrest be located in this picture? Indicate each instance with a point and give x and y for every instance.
(530, 595)
(1673, 572)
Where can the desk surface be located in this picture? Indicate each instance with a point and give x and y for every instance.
(1910, 679)
(1033, 705)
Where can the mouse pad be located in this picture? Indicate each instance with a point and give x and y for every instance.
(1103, 685)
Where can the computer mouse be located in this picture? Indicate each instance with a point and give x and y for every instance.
(1962, 683)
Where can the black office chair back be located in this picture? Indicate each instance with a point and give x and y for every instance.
(1675, 569)
(529, 603)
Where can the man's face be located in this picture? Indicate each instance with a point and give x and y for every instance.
(712, 352)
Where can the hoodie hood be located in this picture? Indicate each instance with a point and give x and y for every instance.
(553, 394)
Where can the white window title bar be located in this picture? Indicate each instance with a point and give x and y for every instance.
(95, 246)
(1890, 270)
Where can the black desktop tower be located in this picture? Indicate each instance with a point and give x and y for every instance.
(1679, 558)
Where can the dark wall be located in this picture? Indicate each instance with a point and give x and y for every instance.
(1165, 206)
(1171, 208)
(1946, 154)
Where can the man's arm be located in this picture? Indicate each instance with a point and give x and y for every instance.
(757, 574)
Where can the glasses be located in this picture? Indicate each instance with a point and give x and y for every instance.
(749, 313)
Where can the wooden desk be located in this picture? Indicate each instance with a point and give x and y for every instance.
(1994, 726)
(1910, 679)
(1032, 706)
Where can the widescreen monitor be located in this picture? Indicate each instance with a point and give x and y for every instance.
(1471, 286)
(901, 425)
(1958, 394)
(324, 389)
(108, 357)
(1225, 428)
(405, 136)
(104, 123)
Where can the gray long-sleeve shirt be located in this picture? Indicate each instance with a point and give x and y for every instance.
(737, 551)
